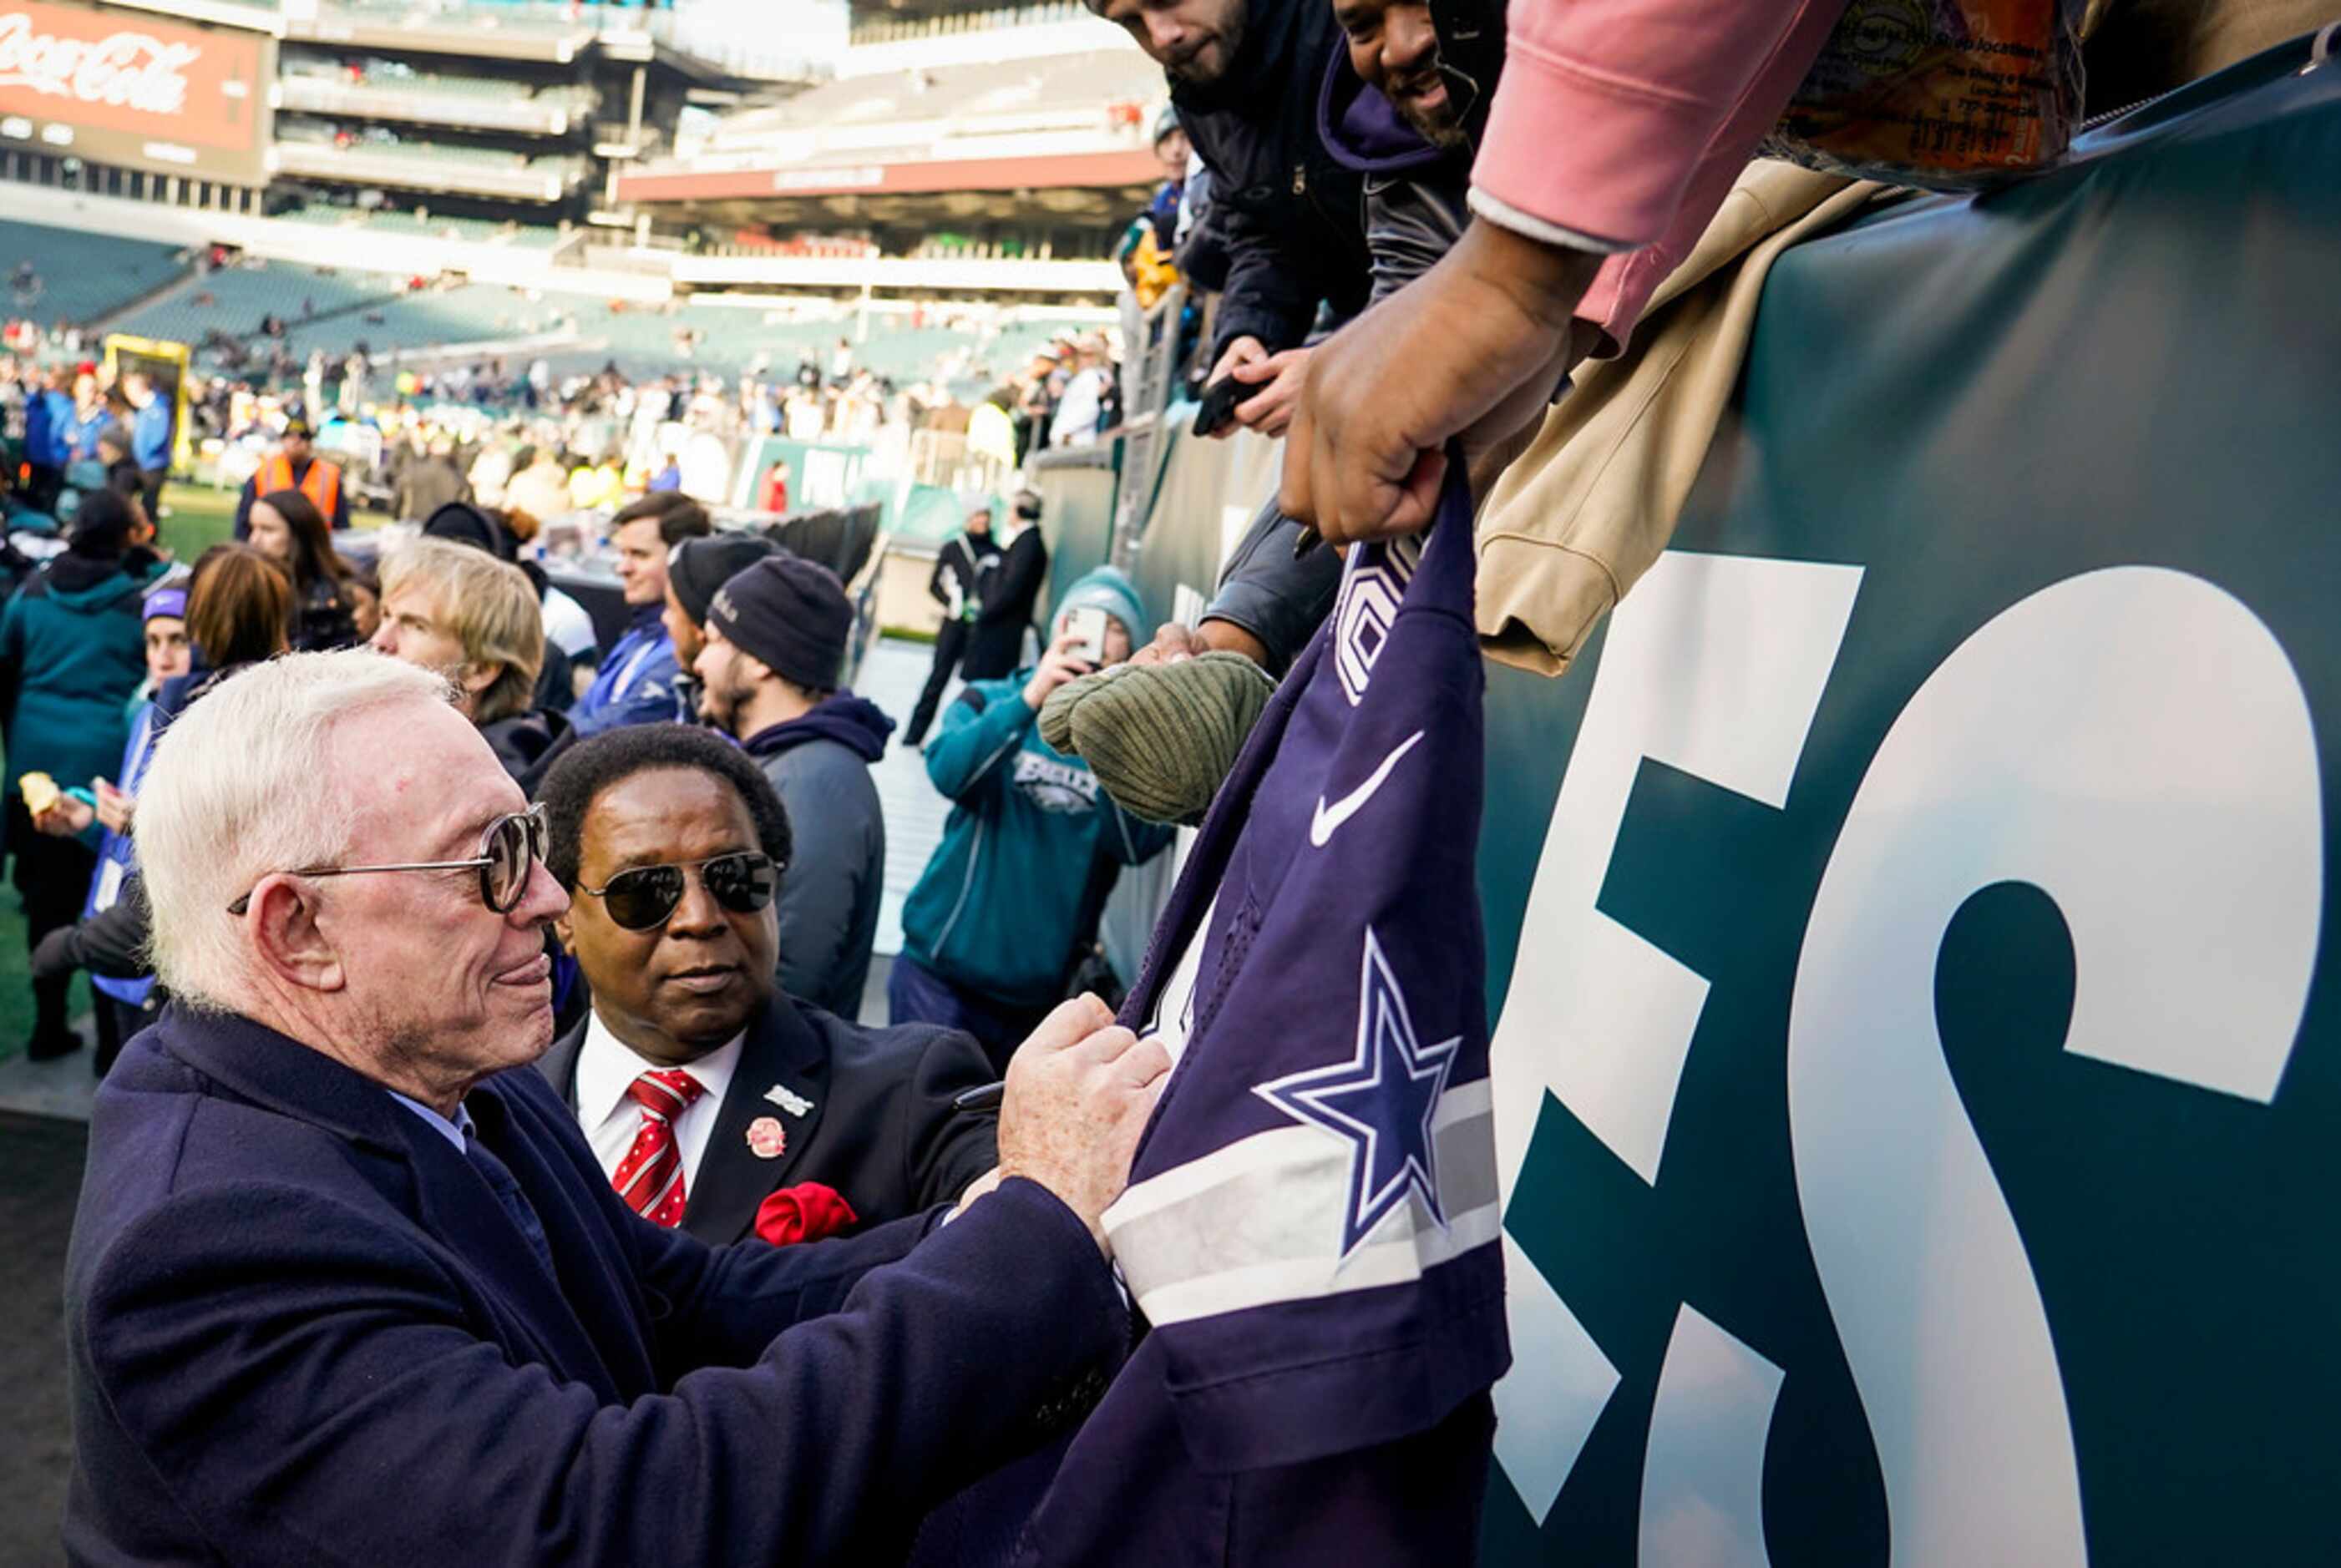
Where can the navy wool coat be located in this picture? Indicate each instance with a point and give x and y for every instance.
(302, 1328)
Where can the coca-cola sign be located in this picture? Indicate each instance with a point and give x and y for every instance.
(125, 69)
(132, 88)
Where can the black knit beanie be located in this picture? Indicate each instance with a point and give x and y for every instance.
(102, 526)
(460, 523)
(698, 566)
(790, 614)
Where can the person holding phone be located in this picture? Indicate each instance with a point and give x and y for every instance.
(1032, 847)
(72, 651)
(119, 1004)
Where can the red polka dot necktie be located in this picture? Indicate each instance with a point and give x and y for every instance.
(650, 1178)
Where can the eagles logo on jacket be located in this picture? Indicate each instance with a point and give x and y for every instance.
(1030, 850)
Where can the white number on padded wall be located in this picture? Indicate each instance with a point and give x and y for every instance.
(1714, 664)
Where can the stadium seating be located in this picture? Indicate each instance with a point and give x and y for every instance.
(642, 341)
(84, 277)
(314, 133)
(470, 313)
(334, 310)
(397, 76)
(235, 299)
(550, 20)
(390, 91)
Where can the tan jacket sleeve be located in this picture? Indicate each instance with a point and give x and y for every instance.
(1577, 518)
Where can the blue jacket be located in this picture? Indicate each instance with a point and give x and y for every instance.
(635, 684)
(150, 435)
(81, 432)
(117, 854)
(1029, 853)
(46, 418)
(302, 1327)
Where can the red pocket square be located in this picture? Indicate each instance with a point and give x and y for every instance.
(805, 1212)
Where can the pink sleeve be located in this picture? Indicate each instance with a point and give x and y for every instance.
(1629, 121)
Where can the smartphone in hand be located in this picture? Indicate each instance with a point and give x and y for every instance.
(1219, 403)
(1090, 624)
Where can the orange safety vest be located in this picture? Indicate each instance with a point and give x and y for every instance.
(322, 484)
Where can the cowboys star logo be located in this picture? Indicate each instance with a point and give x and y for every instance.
(1381, 1101)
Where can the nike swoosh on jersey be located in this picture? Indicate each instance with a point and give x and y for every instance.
(1327, 820)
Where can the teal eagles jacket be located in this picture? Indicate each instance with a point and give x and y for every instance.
(72, 649)
(1030, 850)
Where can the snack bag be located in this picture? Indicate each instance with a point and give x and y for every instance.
(1945, 95)
(40, 791)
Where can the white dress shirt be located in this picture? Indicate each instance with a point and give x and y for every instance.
(607, 1065)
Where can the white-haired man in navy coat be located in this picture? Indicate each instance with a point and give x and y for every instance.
(346, 1282)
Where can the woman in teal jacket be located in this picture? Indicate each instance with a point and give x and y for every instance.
(72, 651)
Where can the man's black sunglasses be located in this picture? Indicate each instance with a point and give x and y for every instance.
(644, 898)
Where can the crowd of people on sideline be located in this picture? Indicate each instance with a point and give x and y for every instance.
(524, 441)
(728, 633)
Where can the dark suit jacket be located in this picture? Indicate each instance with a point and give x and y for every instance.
(302, 1328)
(880, 1128)
(1008, 590)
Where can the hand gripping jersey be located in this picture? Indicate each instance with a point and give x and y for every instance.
(1310, 1226)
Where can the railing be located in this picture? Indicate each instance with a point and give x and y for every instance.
(419, 167)
(1150, 367)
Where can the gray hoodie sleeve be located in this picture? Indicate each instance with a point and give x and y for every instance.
(819, 892)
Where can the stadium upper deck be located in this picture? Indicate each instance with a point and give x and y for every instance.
(1036, 112)
(594, 149)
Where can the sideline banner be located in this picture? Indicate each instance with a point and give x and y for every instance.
(130, 89)
(1918, 1051)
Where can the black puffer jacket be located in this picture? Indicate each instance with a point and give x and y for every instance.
(1291, 218)
(1415, 211)
(528, 744)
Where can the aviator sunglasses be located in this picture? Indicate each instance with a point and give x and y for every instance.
(510, 850)
(644, 897)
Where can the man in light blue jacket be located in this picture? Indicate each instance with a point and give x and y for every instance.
(150, 438)
(636, 682)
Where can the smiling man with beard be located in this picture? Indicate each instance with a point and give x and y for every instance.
(346, 1282)
(1245, 76)
(672, 845)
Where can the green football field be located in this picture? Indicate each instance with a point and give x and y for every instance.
(196, 517)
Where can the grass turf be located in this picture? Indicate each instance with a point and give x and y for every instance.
(198, 517)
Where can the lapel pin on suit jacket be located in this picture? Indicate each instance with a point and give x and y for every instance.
(767, 1138)
(788, 1099)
